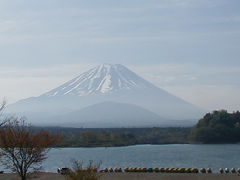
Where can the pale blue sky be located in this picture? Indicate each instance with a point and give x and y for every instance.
(188, 47)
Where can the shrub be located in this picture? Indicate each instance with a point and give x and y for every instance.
(78, 172)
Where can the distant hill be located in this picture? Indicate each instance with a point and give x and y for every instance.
(107, 83)
(110, 114)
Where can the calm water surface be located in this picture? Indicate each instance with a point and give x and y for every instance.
(184, 155)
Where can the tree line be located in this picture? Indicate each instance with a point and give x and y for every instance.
(215, 127)
(79, 137)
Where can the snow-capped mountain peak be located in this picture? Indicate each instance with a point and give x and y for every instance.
(105, 78)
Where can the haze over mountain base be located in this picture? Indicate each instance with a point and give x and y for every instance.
(107, 96)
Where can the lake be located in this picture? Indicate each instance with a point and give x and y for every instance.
(175, 155)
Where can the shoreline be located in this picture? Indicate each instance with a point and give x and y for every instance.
(132, 176)
(63, 147)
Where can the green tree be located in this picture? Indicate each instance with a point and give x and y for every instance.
(217, 127)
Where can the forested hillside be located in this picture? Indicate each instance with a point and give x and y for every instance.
(217, 127)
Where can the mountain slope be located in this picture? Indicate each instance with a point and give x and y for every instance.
(107, 82)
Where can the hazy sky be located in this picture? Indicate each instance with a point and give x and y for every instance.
(190, 48)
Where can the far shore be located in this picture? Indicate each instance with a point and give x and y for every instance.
(132, 176)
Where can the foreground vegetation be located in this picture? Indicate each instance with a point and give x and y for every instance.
(78, 172)
(23, 149)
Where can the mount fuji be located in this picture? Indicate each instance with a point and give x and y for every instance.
(109, 95)
(103, 79)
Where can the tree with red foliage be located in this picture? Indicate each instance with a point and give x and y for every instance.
(22, 148)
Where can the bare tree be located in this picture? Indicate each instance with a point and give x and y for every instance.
(2, 107)
(24, 149)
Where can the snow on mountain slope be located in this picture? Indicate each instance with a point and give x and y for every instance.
(102, 79)
(106, 82)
